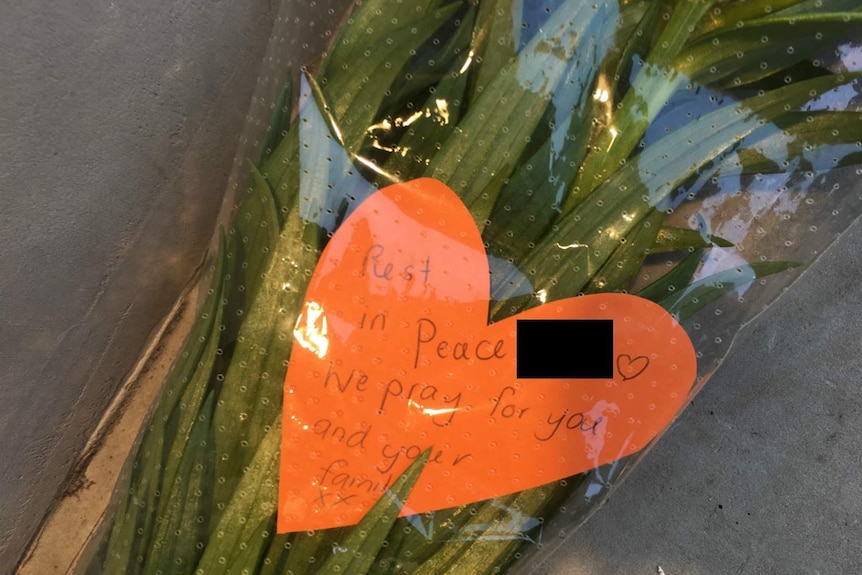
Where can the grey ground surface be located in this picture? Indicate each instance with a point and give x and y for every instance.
(119, 121)
(761, 474)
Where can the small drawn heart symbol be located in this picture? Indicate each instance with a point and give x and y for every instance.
(630, 367)
(393, 354)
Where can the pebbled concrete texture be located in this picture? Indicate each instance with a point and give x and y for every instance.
(761, 473)
(119, 121)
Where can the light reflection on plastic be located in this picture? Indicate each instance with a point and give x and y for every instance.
(410, 120)
(442, 111)
(430, 411)
(542, 295)
(384, 125)
(467, 63)
(601, 95)
(373, 166)
(439, 113)
(311, 329)
(433, 412)
(334, 126)
(298, 422)
(571, 246)
(614, 134)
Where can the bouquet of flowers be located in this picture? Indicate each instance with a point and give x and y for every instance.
(587, 139)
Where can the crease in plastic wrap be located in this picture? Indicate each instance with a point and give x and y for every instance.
(484, 253)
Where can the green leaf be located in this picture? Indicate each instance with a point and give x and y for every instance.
(479, 516)
(281, 171)
(497, 127)
(622, 266)
(330, 185)
(251, 396)
(637, 42)
(684, 303)
(249, 512)
(366, 57)
(815, 6)
(448, 47)
(276, 556)
(433, 122)
(279, 119)
(413, 539)
(585, 237)
(187, 414)
(491, 538)
(183, 525)
(675, 280)
(755, 49)
(649, 93)
(670, 239)
(495, 41)
(729, 14)
(531, 198)
(357, 551)
(815, 141)
(249, 555)
(310, 549)
(372, 50)
(205, 325)
(253, 234)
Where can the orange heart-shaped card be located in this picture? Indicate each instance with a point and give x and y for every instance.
(393, 354)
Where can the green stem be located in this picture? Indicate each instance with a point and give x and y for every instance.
(652, 88)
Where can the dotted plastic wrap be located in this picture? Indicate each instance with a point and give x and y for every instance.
(482, 255)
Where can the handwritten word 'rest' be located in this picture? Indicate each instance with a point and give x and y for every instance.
(377, 264)
(426, 338)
